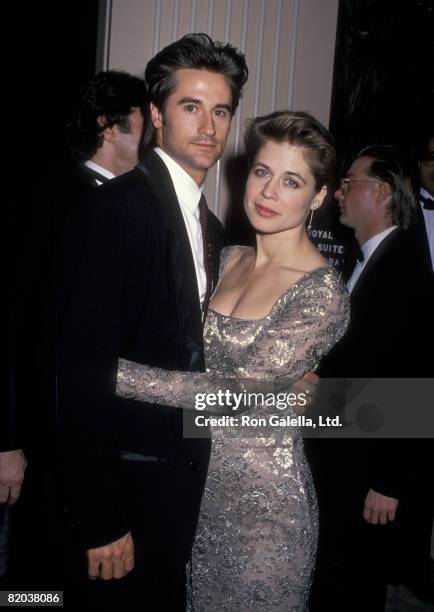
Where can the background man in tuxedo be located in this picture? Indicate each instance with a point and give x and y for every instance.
(105, 132)
(141, 281)
(370, 490)
(108, 131)
(105, 136)
(425, 227)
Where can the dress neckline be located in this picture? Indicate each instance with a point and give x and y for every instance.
(300, 280)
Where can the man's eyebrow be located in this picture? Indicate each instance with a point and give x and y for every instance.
(187, 100)
(224, 105)
(286, 172)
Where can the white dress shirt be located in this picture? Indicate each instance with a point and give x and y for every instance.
(428, 216)
(188, 194)
(367, 249)
(93, 166)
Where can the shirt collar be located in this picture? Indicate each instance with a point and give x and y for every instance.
(370, 245)
(426, 194)
(93, 166)
(187, 191)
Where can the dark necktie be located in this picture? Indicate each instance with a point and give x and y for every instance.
(359, 255)
(428, 204)
(203, 218)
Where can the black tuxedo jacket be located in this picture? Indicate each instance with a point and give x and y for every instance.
(72, 181)
(391, 310)
(44, 197)
(418, 239)
(390, 304)
(127, 288)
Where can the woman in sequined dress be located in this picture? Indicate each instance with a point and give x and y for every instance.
(277, 309)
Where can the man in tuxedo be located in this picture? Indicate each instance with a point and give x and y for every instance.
(425, 227)
(369, 490)
(108, 131)
(105, 134)
(137, 286)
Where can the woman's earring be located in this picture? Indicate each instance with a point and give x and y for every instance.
(309, 225)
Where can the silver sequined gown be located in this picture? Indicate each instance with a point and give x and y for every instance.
(256, 538)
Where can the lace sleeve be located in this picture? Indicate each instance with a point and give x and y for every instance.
(171, 387)
(303, 328)
(314, 318)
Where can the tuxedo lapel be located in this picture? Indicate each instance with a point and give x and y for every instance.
(420, 228)
(372, 262)
(93, 175)
(183, 270)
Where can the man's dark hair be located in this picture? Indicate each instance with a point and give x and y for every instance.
(106, 101)
(394, 168)
(301, 130)
(197, 51)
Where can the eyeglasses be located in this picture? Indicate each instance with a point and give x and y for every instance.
(345, 183)
(428, 160)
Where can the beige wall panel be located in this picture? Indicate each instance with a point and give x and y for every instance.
(205, 16)
(217, 30)
(167, 22)
(286, 38)
(266, 81)
(183, 7)
(315, 56)
(289, 46)
(131, 35)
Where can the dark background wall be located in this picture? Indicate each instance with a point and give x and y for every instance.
(383, 78)
(51, 53)
(382, 94)
(384, 73)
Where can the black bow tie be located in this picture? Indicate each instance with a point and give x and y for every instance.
(359, 255)
(428, 204)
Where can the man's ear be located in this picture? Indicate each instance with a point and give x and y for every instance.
(156, 116)
(384, 197)
(384, 192)
(109, 133)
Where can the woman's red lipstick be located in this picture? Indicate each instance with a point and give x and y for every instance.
(265, 212)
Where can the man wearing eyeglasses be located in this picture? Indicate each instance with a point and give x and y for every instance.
(370, 489)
